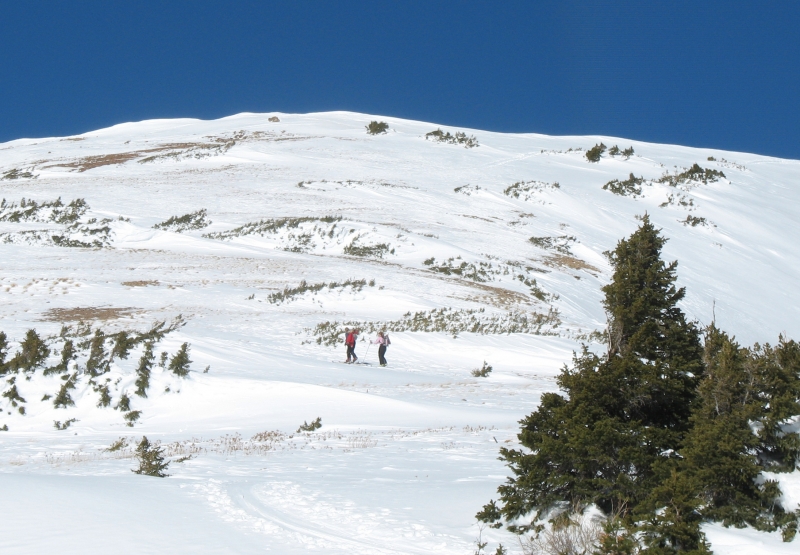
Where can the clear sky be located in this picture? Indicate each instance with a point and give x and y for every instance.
(713, 73)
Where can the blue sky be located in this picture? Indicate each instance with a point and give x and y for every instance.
(712, 74)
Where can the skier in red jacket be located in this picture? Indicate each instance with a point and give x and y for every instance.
(350, 340)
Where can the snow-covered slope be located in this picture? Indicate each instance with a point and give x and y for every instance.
(504, 239)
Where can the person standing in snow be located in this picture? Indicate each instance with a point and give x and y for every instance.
(350, 341)
(383, 341)
(347, 343)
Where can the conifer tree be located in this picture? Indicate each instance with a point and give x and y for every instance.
(151, 459)
(123, 343)
(624, 412)
(143, 370)
(68, 353)
(32, 354)
(179, 363)
(3, 353)
(97, 364)
(63, 399)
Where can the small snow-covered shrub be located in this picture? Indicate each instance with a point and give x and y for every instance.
(559, 244)
(289, 293)
(58, 425)
(483, 371)
(479, 272)
(179, 363)
(193, 220)
(460, 138)
(629, 187)
(594, 153)
(526, 189)
(17, 174)
(367, 251)
(315, 425)
(151, 459)
(377, 127)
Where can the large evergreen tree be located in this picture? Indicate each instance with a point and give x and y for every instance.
(621, 414)
(660, 432)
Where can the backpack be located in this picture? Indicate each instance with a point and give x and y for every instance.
(386, 340)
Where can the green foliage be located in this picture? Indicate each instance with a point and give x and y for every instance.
(63, 399)
(117, 445)
(480, 272)
(377, 127)
(694, 221)
(32, 354)
(193, 220)
(527, 189)
(105, 395)
(693, 174)
(623, 412)
(124, 403)
(151, 459)
(367, 251)
(68, 354)
(306, 427)
(144, 369)
(97, 364)
(123, 343)
(271, 226)
(3, 353)
(16, 173)
(558, 244)
(594, 153)
(536, 291)
(446, 320)
(131, 417)
(467, 189)
(483, 371)
(460, 138)
(290, 293)
(13, 395)
(660, 433)
(179, 363)
(615, 151)
(58, 425)
(629, 187)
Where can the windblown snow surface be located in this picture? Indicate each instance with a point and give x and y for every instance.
(406, 454)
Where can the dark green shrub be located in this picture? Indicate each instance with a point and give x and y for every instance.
(483, 371)
(179, 363)
(594, 153)
(193, 220)
(151, 459)
(629, 187)
(63, 399)
(315, 425)
(460, 138)
(97, 364)
(144, 369)
(68, 354)
(58, 425)
(32, 354)
(377, 127)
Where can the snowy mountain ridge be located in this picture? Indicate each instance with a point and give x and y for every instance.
(269, 233)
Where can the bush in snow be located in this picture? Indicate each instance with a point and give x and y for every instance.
(483, 371)
(377, 127)
(151, 459)
(193, 220)
(179, 363)
(306, 427)
(143, 370)
(594, 153)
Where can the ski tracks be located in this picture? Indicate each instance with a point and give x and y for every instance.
(298, 520)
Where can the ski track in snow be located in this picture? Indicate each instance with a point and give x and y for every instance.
(408, 453)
